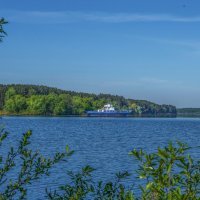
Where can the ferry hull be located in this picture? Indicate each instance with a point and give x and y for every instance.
(108, 114)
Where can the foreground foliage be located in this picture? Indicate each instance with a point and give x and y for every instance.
(167, 174)
(82, 187)
(2, 32)
(29, 165)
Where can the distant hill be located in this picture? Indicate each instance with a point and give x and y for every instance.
(42, 100)
(188, 112)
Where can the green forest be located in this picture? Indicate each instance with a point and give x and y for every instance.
(188, 112)
(17, 99)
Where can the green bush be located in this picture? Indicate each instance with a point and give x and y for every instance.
(169, 173)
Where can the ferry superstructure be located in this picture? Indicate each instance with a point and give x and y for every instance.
(108, 111)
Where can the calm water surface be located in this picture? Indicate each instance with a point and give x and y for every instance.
(104, 143)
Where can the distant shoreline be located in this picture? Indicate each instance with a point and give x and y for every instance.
(188, 112)
(20, 99)
(84, 115)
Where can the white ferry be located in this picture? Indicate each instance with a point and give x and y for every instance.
(108, 111)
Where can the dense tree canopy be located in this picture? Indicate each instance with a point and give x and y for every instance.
(42, 100)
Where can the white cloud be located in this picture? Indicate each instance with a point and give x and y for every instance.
(75, 16)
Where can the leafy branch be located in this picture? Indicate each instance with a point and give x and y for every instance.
(169, 173)
(32, 166)
(2, 32)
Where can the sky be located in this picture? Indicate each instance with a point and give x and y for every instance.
(140, 49)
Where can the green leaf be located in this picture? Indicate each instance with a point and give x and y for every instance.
(67, 148)
(149, 185)
(169, 168)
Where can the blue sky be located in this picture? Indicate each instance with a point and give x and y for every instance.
(141, 49)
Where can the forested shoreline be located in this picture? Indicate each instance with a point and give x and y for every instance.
(188, 112)
(18, 99)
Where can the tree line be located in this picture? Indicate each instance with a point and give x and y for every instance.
(188, 112)
(43, 100)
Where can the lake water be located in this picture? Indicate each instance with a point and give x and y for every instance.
(104, 143)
